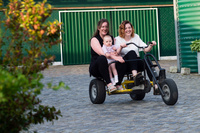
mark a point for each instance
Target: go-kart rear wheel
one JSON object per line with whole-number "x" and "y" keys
{"x": 97, "y": 91}
{"x": 170, "y": 90}
{"x": 138, "y": 96}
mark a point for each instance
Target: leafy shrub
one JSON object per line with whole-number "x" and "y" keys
{"x": 19, "y": 105}
{"x": 195, "y": 46}
{"x": 28, "y": 36}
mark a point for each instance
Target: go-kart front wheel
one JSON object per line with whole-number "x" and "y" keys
{"x": 97, "y": 91}
{"x": 170, "y": 90}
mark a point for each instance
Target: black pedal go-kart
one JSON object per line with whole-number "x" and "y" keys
{"x": 166, "y": 87}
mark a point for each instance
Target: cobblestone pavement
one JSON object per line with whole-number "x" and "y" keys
{"x": 119, "y": 113}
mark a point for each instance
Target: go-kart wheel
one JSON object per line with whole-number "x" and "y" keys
{"x": 147, "y": 86}
{"x": 138, "y": 96}
{"x": 170, "y": 90}
{"x": 97, "y": 91}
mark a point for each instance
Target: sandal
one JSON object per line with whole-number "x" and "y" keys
{"x": 111, "y": 88}
{"x": 137, "y": 78}
{"x": 119, "y": 87}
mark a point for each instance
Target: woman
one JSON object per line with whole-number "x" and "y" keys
{"x": 126, "y": 35}
{"x": 99, "y": 65}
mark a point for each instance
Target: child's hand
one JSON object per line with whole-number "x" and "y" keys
{"x": 114, "y": 53}
{"x": 114, "y": 48}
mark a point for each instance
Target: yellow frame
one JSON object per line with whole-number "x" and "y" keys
{"x": 125, "y": 91}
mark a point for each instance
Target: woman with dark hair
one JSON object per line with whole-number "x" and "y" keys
{"x": 99, "y": 65}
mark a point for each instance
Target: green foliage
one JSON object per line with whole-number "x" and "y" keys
{"x": 56, "y": 87}
{"x": 1, "y": 3}
{"x": 195, "y": 46}
{"x": 22, "y": 62}
{"x": 19, "y": 105}
{"x": 26, "y": 23}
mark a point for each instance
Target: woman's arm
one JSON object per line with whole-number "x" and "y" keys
{"x": 96, "y": 46}
{"x": 119, "y": 44}
{"x": 148, "y": 49}
{"x": 123, "y": 45}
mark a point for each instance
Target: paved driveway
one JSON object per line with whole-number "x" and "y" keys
{"x": 118, "y": 113}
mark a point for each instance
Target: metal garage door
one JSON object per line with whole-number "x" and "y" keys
{"x": 79, "y": 26}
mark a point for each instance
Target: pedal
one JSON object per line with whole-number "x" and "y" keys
{"x": 139, "y": 80}
{"x": 156, "y": 91}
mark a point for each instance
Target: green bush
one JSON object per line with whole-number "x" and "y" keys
{"x": 19, "y": 103}
{"x": 195, "y": 46}
{"x": 21, "y": 63}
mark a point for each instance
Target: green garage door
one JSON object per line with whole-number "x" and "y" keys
{"x": 79, "y": 26}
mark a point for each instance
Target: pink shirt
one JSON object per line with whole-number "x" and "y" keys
{"x": 109, "y": 50}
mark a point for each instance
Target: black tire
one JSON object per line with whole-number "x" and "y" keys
{"x": 97, "y": 91}
{"x": 138, "y": 96}
{"x": 147, "y": 86}
{"x": 170, "y": 90}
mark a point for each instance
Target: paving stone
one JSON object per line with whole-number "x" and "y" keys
{"x": 185, "y": 71}
{"x": 173, "y": 69}
{"x": 119, "y": 113}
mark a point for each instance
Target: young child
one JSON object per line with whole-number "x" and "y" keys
{"x": 111, "y": 49}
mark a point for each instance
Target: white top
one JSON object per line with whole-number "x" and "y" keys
{"x": 136, "y": 39}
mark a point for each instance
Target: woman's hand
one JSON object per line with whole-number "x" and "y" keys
{"x": 123, "y": 45}
{"x": 148, "y": 49}
{"x": 115, "y": 57}
{"x": 119, "y": 58}
{"x": 153, "y": 43}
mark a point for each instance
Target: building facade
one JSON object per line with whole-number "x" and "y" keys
{"x": 187, "y": 26}
{"x": 152, "y": 20}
